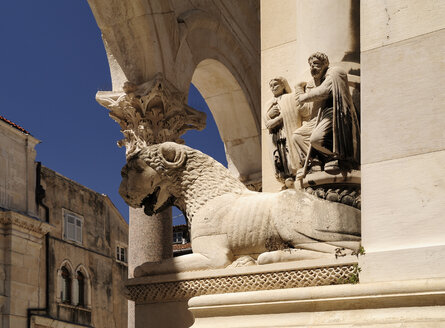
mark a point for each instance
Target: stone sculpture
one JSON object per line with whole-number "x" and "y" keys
{"x": 333, "y": 132}
{"x": 231, "y": 225}
{"x": 281, "y": 119}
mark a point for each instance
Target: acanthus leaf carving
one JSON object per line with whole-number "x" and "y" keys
{"x": 151, "y": 113}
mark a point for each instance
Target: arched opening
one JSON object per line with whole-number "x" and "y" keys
{"x": 232, "y": 135}
{"x": 81, "y": 288}
{"x": 234, "y": 118}
{"x": 66, "y": 285}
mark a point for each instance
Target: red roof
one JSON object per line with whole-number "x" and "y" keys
{"x": 18, "y": 127}
{"x": 177, "y": 247}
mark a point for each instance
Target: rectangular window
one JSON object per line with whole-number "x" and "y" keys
{"x": 121, "y": 254}
{"x": 72, "y": 227}
{"x": 177, "y": 237}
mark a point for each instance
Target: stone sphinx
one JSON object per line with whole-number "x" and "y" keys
{"x": 231, "y": 225}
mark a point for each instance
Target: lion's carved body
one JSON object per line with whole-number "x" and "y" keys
{"x": 228, "y": 221}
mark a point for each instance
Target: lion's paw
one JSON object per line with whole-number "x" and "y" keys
{"x": 242, "y": 261}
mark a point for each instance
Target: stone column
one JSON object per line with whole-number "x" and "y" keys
{"x": 150, "y": 113}
{"x": 150, "y": 237}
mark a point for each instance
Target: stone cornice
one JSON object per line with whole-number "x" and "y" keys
{"x": 25, "y": 222}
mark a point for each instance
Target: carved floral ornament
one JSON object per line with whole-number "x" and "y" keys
{"x": 150, "y": 113}
{"x": 24, "y": 222}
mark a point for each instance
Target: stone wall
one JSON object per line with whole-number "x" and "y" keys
{"x": 17, "y": 173}
{"x": 403, "y": 140}
{"x": 103, "y": 229}
{"x": 21, "y": 286}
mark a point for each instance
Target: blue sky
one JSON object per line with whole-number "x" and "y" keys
{"x": 52, "y": 64}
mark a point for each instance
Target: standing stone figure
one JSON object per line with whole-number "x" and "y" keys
{"x": 281, "y": 119}
{"x": 333, "y": 130}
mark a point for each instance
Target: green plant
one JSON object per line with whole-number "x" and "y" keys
{"x": 353, "y": 277}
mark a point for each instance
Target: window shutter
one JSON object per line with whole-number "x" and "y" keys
{"x": 69, "y": 227}
{"x": 78, "y": 230}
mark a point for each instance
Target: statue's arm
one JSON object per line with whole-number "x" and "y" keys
{"x": 321, "y": 92}
{"x": 304, "y": 109}
{"x": 273, "y": 117}
{"x": 274, "y": 122}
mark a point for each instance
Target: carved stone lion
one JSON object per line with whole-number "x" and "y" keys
{"x": 231, "y": 225}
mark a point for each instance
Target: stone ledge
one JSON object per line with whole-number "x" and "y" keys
{"x": 185, "y": 285}
{"x": 41, "y": 321}
{"x": 387, "y": 304}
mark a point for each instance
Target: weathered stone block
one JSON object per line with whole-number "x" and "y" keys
{"x": 20, "y": 274}
{"x": 278, "y": 61}
{"x": 386, "y": 22}
{"x": 403, "y": 264}
{"x": 402, "y": 205}
{"x": 404, "y": 99}
{"x": 272, "y": 33}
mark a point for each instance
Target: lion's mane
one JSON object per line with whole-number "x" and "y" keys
{"x": 198, "y": 180}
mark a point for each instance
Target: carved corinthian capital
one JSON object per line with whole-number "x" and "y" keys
{"x": 150, "y": 113}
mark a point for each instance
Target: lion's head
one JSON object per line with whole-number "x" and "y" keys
{"x": 145, "y": 179}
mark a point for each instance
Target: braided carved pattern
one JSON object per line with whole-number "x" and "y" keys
{"x": 184, "y": 290}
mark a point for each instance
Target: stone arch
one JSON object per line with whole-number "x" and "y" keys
{"x": 86, "y": 286}
{"x": 234, "y": 117}
{"x": 61, "y": 281}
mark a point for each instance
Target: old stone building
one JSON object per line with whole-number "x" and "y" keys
{"x": 63, "y": 247}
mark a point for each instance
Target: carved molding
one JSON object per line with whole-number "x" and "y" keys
{"x": 151, "y": 113}
{"x": 185, "y": 289}
{"x": 342, "y": 188}
{"x": 25, "y": 222}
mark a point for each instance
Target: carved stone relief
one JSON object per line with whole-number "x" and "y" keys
{"x": 315, "y": 132}
{"x": 329, "y": 137}
{"x": 183, "y": 290}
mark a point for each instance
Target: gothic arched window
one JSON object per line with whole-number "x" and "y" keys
{"x": 66, "y": 285}
{"x": 80, "y": 289}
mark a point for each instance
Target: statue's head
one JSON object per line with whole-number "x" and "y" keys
{"x": 279, "y": 86}
{"x": 145, "y": 181}
{"x": 319, "y": 64}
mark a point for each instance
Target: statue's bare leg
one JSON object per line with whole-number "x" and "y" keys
{"x": 209, "y": 252}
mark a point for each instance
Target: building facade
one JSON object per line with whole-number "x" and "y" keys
{"x": 63, "y": 246}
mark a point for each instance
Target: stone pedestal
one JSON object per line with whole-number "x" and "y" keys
{"x": 340, "y": 188}
{"x": 410, "y": 303}
{"x": 157, "y": 297}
